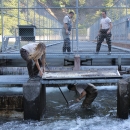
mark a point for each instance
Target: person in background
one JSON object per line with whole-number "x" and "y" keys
{"x": 104, "y": 32}
{"x": 34, "y": 53}
{"x": 66, "y": 31}
{"x": 88, "y": 91}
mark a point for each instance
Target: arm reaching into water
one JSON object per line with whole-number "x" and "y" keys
{"x": 38, "y": 66}
{"x": 43, "y": 62}
{"x": 81, "y": 96}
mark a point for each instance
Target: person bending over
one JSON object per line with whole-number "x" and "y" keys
{"x": 34, "y": 53}
{"x": 88, "y": 91}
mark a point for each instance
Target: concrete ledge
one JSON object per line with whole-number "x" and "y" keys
{"x": 34, "y": 100}
{"x": 70, "y": 56}
{"x": 123, "y": 99}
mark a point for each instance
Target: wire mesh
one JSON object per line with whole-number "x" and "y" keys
{"x": 47, "y": 17}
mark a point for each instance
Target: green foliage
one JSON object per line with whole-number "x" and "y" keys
{"x": 82, "y": 2}
{"x": 11, "y": 20}
{"x": 61, "y": 2}
{"x": 56, "y": 2}
{"x": 43, "y": 1}
{"x": 108, "y": 3}
{"x": 26, "y": 17}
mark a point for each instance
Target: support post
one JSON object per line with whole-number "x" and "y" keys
{"x": 122, "y": 99}
{"x": 128, "y": 89}
{"x": 76, "y": 63}
{"x": 77, "y": 21}
{"x": 34, "y": 100}
{"x": 2, "y": 25}
{"x": 119, "y": 63}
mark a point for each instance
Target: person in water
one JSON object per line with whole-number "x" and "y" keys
{"x": 88, "y": 91}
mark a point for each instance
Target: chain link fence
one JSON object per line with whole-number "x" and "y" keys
{"x": 25, "y": 21}
{"x": 120, "y": 16}
{"x": 29, "y": 20}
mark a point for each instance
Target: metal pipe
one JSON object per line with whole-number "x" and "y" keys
{"x": 126, "y": 7}
{"x": 77, "y": 4}
{"x": 34, "y": 12}
{"x": 2, "y": 22}
{"x": 49, "y": 29}
{"x": 83, "y": 7}
{"x": 59, "y": 87}
{"x": 18, "y": 12}
{"x": 52, "y": 28}
{"x": 43, "y": 25}
{"x": 39, "y": 25}
{"x": 63, "y": 95}
{"x": 72, "y": 41}
{"x": 27, "y": 12}
{"x": 126, "y": 27}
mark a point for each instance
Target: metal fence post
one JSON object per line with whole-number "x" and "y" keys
{"x": 39, "y": 24}
{"x": 34, "y": 11}
{"x": 2, "y": 23}
{"x": 43, "y": 27}
{"x": 49, "y": 29}
{"x": 77, "y": 40}
{"x": 126, "y": 25}
{"x": 18, "y": 12}
{"x": 27, "y": 11}
{"x": 72, "y": 41}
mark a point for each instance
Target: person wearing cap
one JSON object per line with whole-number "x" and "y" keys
{"x": 88, "y": 91}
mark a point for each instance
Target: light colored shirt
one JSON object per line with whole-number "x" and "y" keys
{"x": 81, "y": 87}
{"x": 66, "y": 19}
{"x": 105, "y": 22}
{"x": 30, "y": 47}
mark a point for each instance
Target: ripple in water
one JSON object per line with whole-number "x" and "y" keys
{"x": 100, "y": 116}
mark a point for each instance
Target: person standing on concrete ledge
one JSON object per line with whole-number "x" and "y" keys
{"x": 88, "y": 91}
{"x": 34, "y": 52}
{"x": 66, "y": 31}
{"x": 104, "y": 32}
